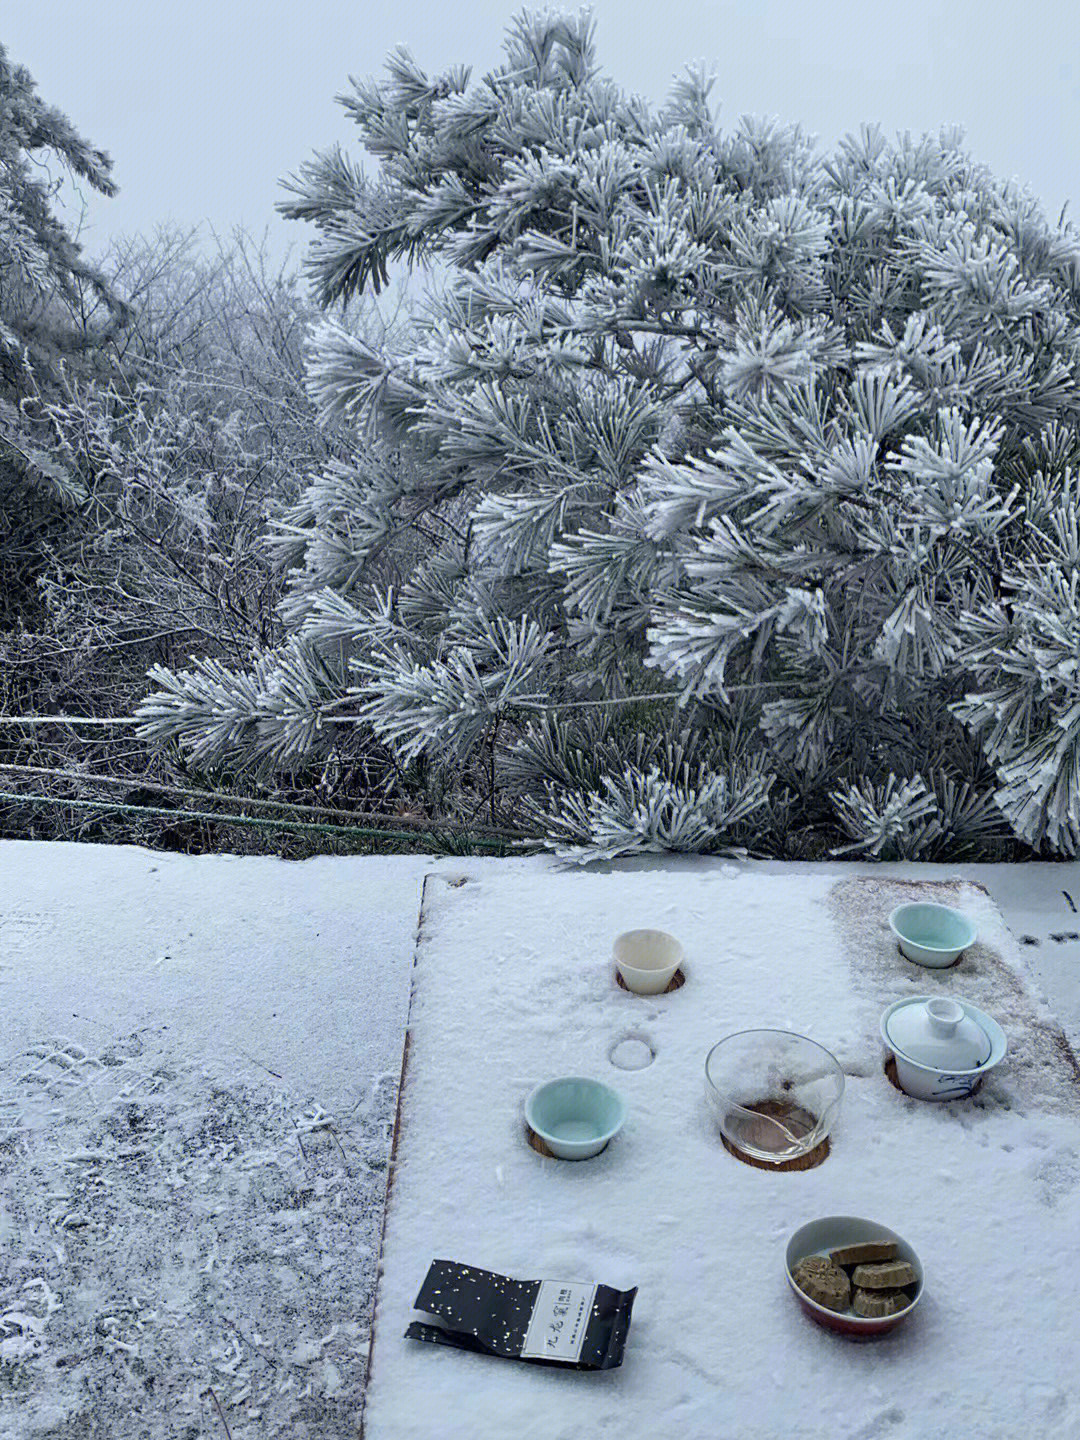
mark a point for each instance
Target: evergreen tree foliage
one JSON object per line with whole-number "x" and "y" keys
{"x": 190, "y": 430}
{"x": 45, "y": 289}
{"x": 733, "y": 485}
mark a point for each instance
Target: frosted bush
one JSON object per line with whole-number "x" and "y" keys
{"x": 706, "y": 438}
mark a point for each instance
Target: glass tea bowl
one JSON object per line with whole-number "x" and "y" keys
{"x": 775, "y": 1094}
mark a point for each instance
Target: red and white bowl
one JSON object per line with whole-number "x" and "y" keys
{"x": 829, "y": 1233}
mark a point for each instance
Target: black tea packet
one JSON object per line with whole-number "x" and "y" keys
{"x": 547, "y": 1322}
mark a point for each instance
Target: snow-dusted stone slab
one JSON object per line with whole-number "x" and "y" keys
{"x": 513, "y": 984}
{"x": 1041, "y": 902}
{"x": 198, "y": 1058}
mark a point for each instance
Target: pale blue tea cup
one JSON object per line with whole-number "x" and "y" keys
{"x": 575, "y": 1117}
{"x": 931, "y": 935}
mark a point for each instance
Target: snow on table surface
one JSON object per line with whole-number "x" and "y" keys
{"x": 513, "y": 985}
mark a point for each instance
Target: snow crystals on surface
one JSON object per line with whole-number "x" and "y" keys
{"x": 198, "y": 1066}
{"x": 514, "y": 985}
{"x": 192, "y": 1170}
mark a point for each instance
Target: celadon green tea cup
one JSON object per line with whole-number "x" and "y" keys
{"x": 932, "y": 935}
{"x": 575, "y": 1117}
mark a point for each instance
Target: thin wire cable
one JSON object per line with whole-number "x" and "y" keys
{"x": 256, "y": 822}
{"x": 324, "y": 718}
{"x": 68, "y": 720}
{"x": 83, "y": 776}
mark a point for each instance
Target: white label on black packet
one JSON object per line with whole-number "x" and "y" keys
{"x": 560, "y": 1316}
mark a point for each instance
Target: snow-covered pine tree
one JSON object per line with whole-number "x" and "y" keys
{"x": 45, "y": 286}
{"x": 737, "y": 484}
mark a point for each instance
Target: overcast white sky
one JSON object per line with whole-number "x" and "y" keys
{"x": 205, "y": 104}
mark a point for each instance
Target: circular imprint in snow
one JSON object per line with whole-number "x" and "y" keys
{"x": 678, "y": 980}
{"x": 632, "y": 1052}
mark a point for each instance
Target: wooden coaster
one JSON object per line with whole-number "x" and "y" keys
{"x": 784, "y": 1111}
{"x": 542, "y": 1149}
{"x": 678, "y": 980}
{"x": 951, "y": 965}
{"x": 536, "y": 1143}
{"x": 890, "y": 1072}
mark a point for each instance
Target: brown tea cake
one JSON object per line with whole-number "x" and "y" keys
{"x": 814, "y": 1265}
{"x": 874, "y": 1304}
{"x": 887, "y": 1276}
{"x": 819, "y": 1279}
{"x": 869, "y": 1252}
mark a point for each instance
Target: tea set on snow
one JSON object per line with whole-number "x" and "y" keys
{"x": 775, "y": 1095}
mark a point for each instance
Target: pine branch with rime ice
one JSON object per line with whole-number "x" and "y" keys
{"x": 785, "y": 438}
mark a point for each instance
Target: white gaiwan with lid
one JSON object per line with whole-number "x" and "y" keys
{"x": 942, "y": 1047}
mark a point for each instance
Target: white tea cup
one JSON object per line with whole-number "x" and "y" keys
{"x": 647, "y": 960}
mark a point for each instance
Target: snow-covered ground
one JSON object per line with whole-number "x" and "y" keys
{"x": 198, "y": 1064}
{"x": 198, "y": 1059}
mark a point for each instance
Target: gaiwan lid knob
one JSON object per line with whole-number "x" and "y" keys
{"x": 939, "y": 1033}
